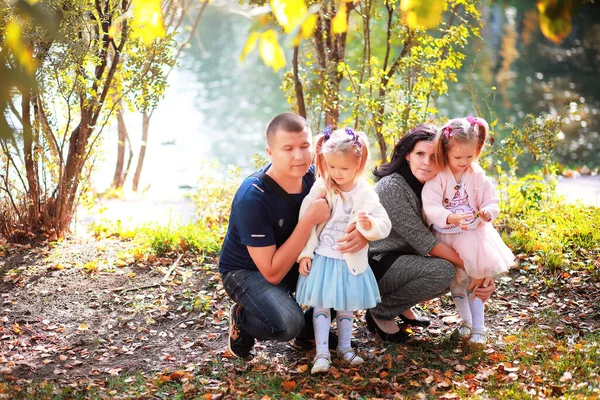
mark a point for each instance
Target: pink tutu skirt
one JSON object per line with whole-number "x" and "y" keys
{"x": 481, "y": 249}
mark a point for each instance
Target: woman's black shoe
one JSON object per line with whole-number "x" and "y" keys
{"x": 418, "y": 321}
{"x": 399, "y": 337}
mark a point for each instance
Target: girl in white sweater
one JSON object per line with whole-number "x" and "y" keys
{"x": 330, "y": 279}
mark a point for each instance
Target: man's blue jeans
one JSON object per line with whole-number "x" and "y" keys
{"x": 269, "y": 312}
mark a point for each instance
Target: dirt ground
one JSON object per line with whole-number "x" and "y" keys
{"x": 76, "y": 309}
{"x": 61, "y": 319}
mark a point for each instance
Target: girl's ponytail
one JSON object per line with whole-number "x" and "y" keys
{"x": 319, "y": 159}
{"x": 364, "y": 151}
{"x": 481, "y": 129}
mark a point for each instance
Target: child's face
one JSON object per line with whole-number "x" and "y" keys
{"x": 422, "y": 161}
{"x": 342, "y": 168}
{"x": 461, "y": 155}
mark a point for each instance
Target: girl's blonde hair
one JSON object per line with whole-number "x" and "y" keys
{"x": 460, "y": 130}
{"x": 344, "y": 141}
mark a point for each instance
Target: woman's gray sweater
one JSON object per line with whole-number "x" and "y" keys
{"x": 409, "y": 233}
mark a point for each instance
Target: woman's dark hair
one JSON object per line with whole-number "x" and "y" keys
{"x": 403, "y": 147}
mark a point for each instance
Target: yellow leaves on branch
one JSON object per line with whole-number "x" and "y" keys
{"x": 250, "y": 44}
{"x": 294, "y": 14}
{"x": 23, "y": 54}
{"x": 270, "y": 50}
{"x": 339, "y": 23}
{"x": 288, "y": 13}
{"x": 555, "y": 19}
{"x": 296, "y": 19}
{"x": 423, "y": 13}
{"x": 147, "y": 22}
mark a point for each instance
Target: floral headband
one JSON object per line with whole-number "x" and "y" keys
{"x": 349, "y": 131}
{"x": 449, "y": 132}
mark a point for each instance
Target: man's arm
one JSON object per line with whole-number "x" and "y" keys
{"x": 274, "y": 263}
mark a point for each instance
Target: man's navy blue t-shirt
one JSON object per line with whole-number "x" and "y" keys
{"x": 259, "y": 218}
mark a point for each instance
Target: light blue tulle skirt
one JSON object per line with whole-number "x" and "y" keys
{"x": 331, "y": 285}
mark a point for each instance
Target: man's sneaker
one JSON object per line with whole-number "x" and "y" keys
{"x": 240, "y": 344}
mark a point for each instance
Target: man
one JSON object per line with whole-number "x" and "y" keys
{"x": 265, "y": 237}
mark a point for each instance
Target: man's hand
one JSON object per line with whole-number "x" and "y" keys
{"x": 305, "y": 265}
{"x": 482, "y": 288}
{"x": 318, "y": 211}
{"x": 353, "y": 241}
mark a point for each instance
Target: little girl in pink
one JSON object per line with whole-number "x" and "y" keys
{"x": 460, "y": 204}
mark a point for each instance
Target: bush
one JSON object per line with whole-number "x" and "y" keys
{"x": 214, "y": 196}
{"x": 555, "y": 234}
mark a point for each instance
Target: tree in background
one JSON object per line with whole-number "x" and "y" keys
{"x": 374, "y": 64}
{"x": 66, "y": 78}
{"x": 176, "y": 16}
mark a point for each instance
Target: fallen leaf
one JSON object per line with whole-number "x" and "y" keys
{"x": 567, "y": 376}
{"x": 302, "y": 368}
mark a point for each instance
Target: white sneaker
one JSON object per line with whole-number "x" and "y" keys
{"x": 349, "y": 355}
{"x": 478, "y": 337}
{"x": 321, "y": 363}
{"x": 464, "y": 330}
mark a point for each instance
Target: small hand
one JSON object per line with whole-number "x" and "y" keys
{"x": 485, "y": 215}
{"x": 353, "y": 241}
{"x": 459, "y": 220}
{"x": 305, "y": 265}
{"x": 364, "y": 221}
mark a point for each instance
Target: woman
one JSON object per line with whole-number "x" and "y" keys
{"x": 410, "y": 265}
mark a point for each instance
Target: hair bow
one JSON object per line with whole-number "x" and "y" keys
{"x": 350, "y": 132}
{"x": 474, "y": 121}
{"x": 449, "y": 132}
{"x": 327, "y": 132}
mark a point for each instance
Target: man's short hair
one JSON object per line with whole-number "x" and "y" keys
{"x": 288, "y": 122}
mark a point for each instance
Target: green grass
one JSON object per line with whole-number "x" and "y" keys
{"x": 554, "y": 234}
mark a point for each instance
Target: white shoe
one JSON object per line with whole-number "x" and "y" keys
{"x": 464, "y": 330}
{"x": 478, "y": 337}
{"x": 321, "y": 363}
{"x": 349, "y": 355}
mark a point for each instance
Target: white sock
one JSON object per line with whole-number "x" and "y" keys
{"x": 477, "y": 313}
{"x": 321, "y": 324}
{"x": 459, "y": 295}
{"x": 344, "y": 321}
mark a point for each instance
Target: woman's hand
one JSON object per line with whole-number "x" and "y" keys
{"x": 364, "y": 221}
{"x": 482, "y": 289}
{"x": 352, "y": 241}
{"x": 305, "y": 265}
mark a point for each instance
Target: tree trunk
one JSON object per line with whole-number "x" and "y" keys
{"x": 140, "y": 163}
{"x": 33, "y": 192}
{"x": 119, "y": 177}
{"x": 298, "y": 85}
{"x": 330, "y": 51}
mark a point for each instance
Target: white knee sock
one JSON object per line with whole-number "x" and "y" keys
{"x": 477, "y": 312}
{"x": 321, "y": 324}
{"x": 459, "y": 295}
{"x": 344, "y": 321}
